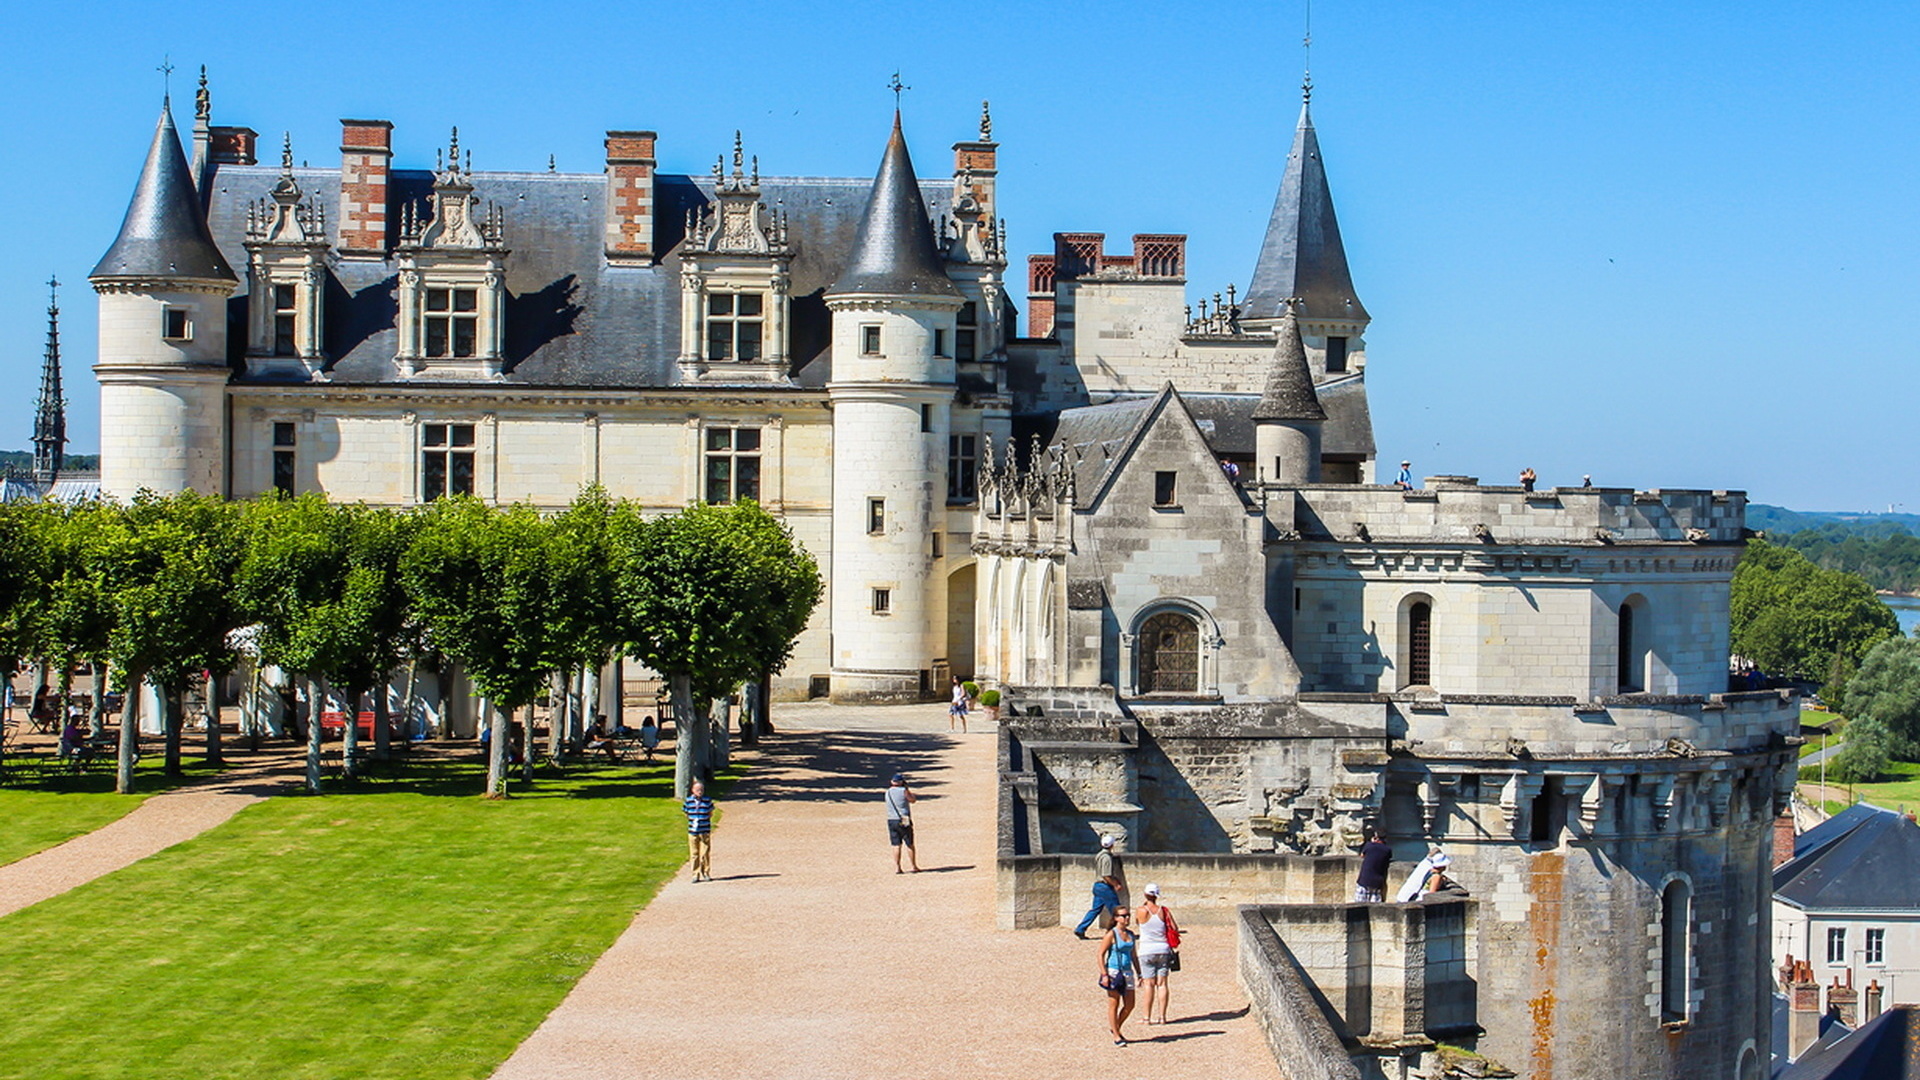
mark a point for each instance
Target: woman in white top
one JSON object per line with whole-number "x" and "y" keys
{"x": 1154, "y": 923}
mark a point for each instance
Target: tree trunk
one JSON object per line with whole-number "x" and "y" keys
{"x": 315, "y": 705}
{"x": 213, "y": 720}
{"x": 689, "y": 739}
{"x": 720, "y": 741}
{"x": 171, "y": 724}
{"x": 66, "y": 693}
{"x": 350, "y": 735}
{"x": 407, "y": 703}
{"x": 499, "y": 721}
{"x": 560, "y": 719}
{"x": 252, "y": 718}
{"x": 764, "y": 685}
{"x": 382, "y": 721}
{"x": 129, "y": 733}
{"x": 97, "y": 718}
{"x": 589, "y": 703}
{"x": 749, "y": 714}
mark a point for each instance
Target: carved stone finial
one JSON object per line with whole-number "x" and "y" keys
{"x": 453, "y": 150}
{"x": 738, "y": 159}
{"x": 286, "y": 153}
{"x": 756, "y": 168}
{"x": 986, "y": 123}
{"x": 551, "y": 163}
{"x": 202, "y": 100}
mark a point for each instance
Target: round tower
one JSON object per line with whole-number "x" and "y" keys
{"x": 1288, "y": 420}
{"x": 892, "y": 390}
{"x": 163, "y": 372}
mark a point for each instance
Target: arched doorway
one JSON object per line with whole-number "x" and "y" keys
{"x": 960, "y": 613}
{"x": 1168, "y": 655}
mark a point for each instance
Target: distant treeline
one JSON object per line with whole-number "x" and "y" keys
{"x": 23, "y": 459}
{"x": 1882, "y": 552}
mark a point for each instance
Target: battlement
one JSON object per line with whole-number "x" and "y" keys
{"x": 1455, "y": 509}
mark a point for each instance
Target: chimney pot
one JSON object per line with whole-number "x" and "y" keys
{"x": 366, "y": 161}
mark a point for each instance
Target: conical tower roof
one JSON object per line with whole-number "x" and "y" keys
{"x": 894, "y": 253}
{"x": 1301, "y": 255}
{"x": 1289, "y": 393}
{"x": 165, "y": 233}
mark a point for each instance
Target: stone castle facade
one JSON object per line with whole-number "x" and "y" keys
{"x": 1154, "y": 523}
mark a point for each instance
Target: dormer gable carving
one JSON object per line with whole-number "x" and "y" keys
{"x": 452, "y": 294}
{"x": 734, "y": 282}
{"x": 286, "y": 242}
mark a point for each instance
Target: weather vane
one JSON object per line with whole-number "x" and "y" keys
{"x": 1306, "y": 53}
{"x": 897, "y": 86}
{"x": 166, "y": 72}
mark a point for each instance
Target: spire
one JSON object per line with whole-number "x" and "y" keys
{"x": 1289, "y": 393}
{"x": 50, "y": 419}
{"x": 165, "y": 233}
{"x": 893, "y": 253}
{"x": 1301, "y": 255}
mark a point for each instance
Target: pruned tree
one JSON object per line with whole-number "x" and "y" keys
{"x": 1794, "y": 618}
{"x": 584, "y": 623}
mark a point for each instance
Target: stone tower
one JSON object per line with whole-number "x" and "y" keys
{"x": 894, "y": 314}
{"x": 163, "y": 372}
{"x": 50, "y": 416}
{"x": 1288, "y": 420}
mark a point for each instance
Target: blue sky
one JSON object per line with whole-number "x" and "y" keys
{"x": 1671, "y": 245}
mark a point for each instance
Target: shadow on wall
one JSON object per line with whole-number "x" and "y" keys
{"x": 536, "y": 318}
{"x": 355, "y": 317}
{"x": 1175, "y": 817}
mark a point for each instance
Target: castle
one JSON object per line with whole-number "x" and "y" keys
{"x": 1157, "y": 527}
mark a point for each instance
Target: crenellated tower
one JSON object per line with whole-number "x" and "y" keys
{"x": 163, "y": 289}
{"x": 892, "y": 392}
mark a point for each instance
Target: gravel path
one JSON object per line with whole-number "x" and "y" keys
{"x": 807, "y": 956}
{"x": 155, "y": 825}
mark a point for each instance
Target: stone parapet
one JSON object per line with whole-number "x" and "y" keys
{"x": 1291, "y": 1013}
{"x": 1457, "y": 509}
{"x": 1038, "y": 891}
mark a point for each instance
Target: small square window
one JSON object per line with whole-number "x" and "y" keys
{"x": 176, "y": 326}
{"x": 870, "y": 341}
{"x": 283, "y": 433}
{"x": 1336, "y": 355}
{"x": 882, "y": 601}
{"x": 1165, "y": 489}
{"x": 876, "y": 517}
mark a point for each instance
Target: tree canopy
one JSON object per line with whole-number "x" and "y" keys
{"x": 1887, "y": 690}
{"x": 1794, "y": 619}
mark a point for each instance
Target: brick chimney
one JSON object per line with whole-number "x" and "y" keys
{"x": 366, "y": 157}
{"x": 1844, "y": 1001}
{"x": 1160, "y": 255}
{"x": 1803, "y": 1018}
{"x": 1874, "y": 994}
{"x": 981, "y": 161}
{"x": 232, "y": 145}
{"x": 630, "y": 163}
{"x": 1783, "y": 837}
{"x": 1040, "y": 296}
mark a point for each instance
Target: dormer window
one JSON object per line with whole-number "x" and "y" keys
{"x": 734, "y": 322}
{"x": 452, "y": 323}
{"x": 285, "y": 307}
{"x": 286, "y": 271}
{"x": 964, "y": 335}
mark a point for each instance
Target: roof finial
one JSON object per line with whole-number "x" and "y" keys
{"x": 1306, "y": 53}
{"x": 551, "y": 164}
{"x": 166, "y": 74}
{"x": 739, "y": 158}
{"x": 986, "y": 123}
{"x": 202, "y": 100}
{"x": 453, "y": 150}
{"x": 894, "y": 84}
{"x": 286, "y": 152}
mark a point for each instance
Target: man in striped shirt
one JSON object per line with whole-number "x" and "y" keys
{"x": 699, "y": 810}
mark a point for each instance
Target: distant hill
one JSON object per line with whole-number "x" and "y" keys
{"x": 23, "y": 459}
{"x": 1779, "y": 519}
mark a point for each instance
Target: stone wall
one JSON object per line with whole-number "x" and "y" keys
{"x": 1296, "y": 1018}
{"x": 1037, "y": 891}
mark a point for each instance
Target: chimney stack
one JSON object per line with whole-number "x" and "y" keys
{"x": 980, "y": 161}
{"x": 1803, "y": 1019}
{"x": 1844, "y": 1001}
{"x": 1874, "y": 994}
{"x": 1783, "y": 837}
{"x": 1040, "y": 296}
{"x": 630, "y": 162}
{"x": 366, "y": 158}
{"x": 232, "y": 145}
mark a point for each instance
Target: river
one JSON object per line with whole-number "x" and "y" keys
{"x": 1907, "y": 610}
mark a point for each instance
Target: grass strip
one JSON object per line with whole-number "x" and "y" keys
{"x": 46, "y": 811}
{"x": 406, "y": 929}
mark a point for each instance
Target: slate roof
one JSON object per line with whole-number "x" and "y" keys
{"x": 1831, "y": 1030}
{"x": 894, "y": 253}
{"x": 571, "y": 319}
{"x": 1301, "y": 255}
{"x": 1874, "y": 865}
{"x": 164, "y": 234}
{"x": 1289, "y": 394}
{"x": 1884, "y": 1048}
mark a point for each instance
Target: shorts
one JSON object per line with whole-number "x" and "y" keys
{"x": 1364, "y": 895}
{"x": 898, "y": 834}
{"x": 1153, "y": 965}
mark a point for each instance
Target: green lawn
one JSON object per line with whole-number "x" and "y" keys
{"x": 41, "y": 812}
{"x": 1902, "y": 792}
{"x": 406, "y": 930}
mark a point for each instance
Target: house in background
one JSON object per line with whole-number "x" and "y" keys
{"x": 1848, "y": 902}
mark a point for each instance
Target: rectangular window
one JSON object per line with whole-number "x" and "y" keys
{"x": 939, "y": 342}
{"x": 1876, "y": 946}
{"x": 1836, "y": 944}
{"x": 926, "y": 418}
{"x": 175, "y": 326}
{"x": 869, "y": 341}
{"x": 733, "y": 464}
{"x": 446, "y": 460}
{"x": 735, "y": 326}
{"x": 453, "y": 323}
{"x": 882, "y": 601}
{"x": 939, "y": 546}
{"x": 1336, "y": 355}
{"x": 284, "y": 308}
{"x": 876, "y": 516}
{"x": 1165, "y": 493}
{"x": 283, "y": 460}
{"x": 963, "y": 337}
{"x": 963, "y": 463}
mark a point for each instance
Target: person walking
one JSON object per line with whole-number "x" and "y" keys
{"x": 957, "y": 710}
{"x": 1159, "y": 937}
{"x": 1375, "y": 855}
{"x": 699, "y": 810}
{"x": 900, "y": 822}
{"x": 1119, "y": 971}
{"x": 1106, "y": 890}
{"x": 1405, "y": 480}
